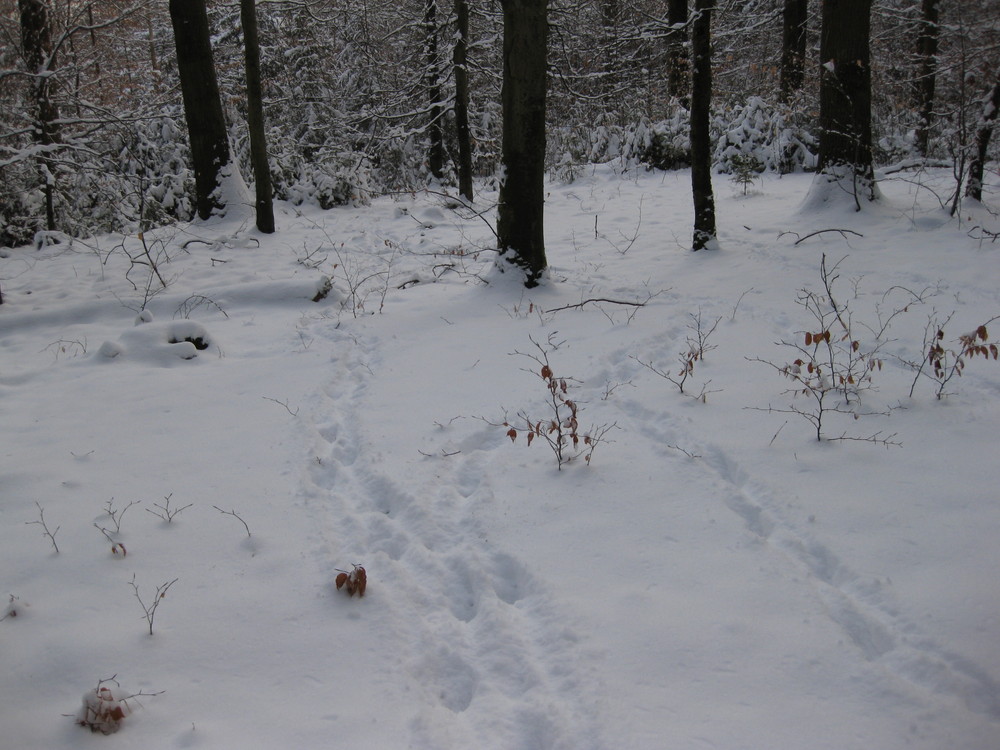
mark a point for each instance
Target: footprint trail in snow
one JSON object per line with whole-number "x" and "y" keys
{"x": 488, "y": 660}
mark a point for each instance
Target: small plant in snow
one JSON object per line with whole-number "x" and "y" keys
{"x": 116, "y": 515}
{"x": 697, "y": 346}
{"x": 165, "y": 511}
{"x": 746, "y": 170}
{"x": 832, "y": 368}
{"x": 106, "y": 706}
{"x": 942, "y": 363}
{"x": 45, "y": 529}
{"x": 355, "y": 582}
{"x": 117, "y": 548}
{"x": 14, "y": 608}
{"x": 150, "y": 609}
{"x": 561, "y": 429}
{"x": 234, "y": 515}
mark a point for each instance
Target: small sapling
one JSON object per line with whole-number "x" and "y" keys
{"x": 696, "y": 347}
{"x": 561, "y": 428}
{"x": 149, "y": 610}
{"x": 165, "y": 511}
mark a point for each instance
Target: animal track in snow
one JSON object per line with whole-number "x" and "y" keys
{"x": 864, "y": 614}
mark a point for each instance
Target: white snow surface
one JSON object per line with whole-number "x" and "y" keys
{"x": 715, "y": 577}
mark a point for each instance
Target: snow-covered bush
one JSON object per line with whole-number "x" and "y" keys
{"x": 777, "y": 137}
{"x": 337, "y": 180}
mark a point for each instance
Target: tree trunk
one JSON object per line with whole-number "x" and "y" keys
{"x": 202, "y": 106}
{"x": 463, "y": 135}
{"x": 432, "y": 77}
{"x": 701, "y": 141}
{"x": 991, "y": 104}
{"x": 793, "y": 46}
{"x": 611, "y": 59}
{"x": 845, "y": 139}
{"x": 520, "y": 235}
{"x": 677, "y": 55}
{"x": 926, "y": 53}
{"x": 255, "y": 119}
{"x": 36, "y": 49}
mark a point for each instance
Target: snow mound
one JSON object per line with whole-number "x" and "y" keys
{"x": 160, "y": 344}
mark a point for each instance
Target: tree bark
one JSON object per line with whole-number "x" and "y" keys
{"x": 36, "y": 49}
{"x": 202, "y": 106}
{"x": 520, "y": 235}
{"x": 991, "y": 104}
{"x": 926, "y": 53}
{"x": 701, "y": 141}
{"x": 255, "y": 119}
{"x": 795, "y": 16}
{"x": 432, "y": 78}
{"x": 845, "y": 140}
{"x": 463, "y": 134}
{"x": 677, "y": 54}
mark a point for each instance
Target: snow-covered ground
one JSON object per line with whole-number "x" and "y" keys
{"x": 715, "y": 577}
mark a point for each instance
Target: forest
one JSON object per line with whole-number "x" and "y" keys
{"x": 345, "y": 101}
{"x": 361, "y": 387}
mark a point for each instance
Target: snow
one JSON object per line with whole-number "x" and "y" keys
{"x": 714, "y": 577}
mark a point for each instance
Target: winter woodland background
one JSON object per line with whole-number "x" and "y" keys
{"x": 358, "y": 97}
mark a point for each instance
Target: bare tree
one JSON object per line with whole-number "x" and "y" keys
{"x": 202, "y": 105}
{"x": 40, "y": 59}
{"x": 520, "y": 236}
{"x": 432, "y": 82}
{"x": 701, "y": 139}
{"x": 460, "y": 59}
{"x": 991, "y": 103}
{"x": 255, "y": 119}
{"x": 677, "y": 52}
{"x": 795, "y": 16}
{"x": 845, "y": 141}
{"x": 928, "y": 31}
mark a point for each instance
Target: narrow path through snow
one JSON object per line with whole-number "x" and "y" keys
{"x": 488, "y": 659}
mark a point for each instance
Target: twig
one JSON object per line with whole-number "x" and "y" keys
{"x": 45, "y": 529}
{"x": 233, "y": 514}
{"x": 687, "y": 453}
{"x": 443, "y": 453}
{"x": 116, "y": 515}
{"x": 282, "y": 403}
{"x": 595, "y": 299}
{"x": 117, "y": 548}
{"x": 822, "y": 231}
{"x": 737, "y": 305}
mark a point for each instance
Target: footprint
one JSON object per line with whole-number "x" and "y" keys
{"x": 454, "y": 679}
{"x": 510, "y": 578}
